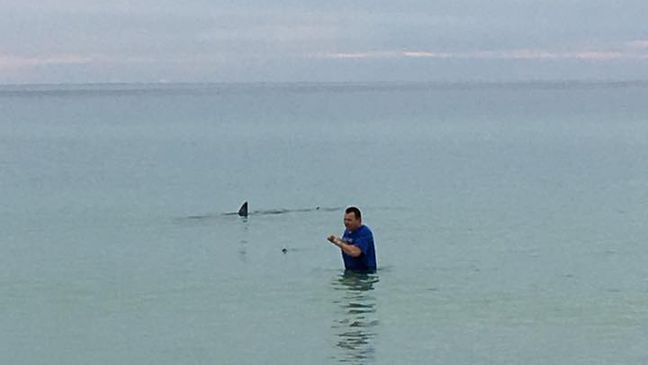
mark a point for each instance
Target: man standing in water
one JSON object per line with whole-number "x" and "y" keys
{"x": 357, "y": 244}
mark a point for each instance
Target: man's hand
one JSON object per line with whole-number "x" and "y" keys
{"x": 333, "y": 239}
{"x": 349, "y": 249}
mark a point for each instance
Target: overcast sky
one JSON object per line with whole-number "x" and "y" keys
{"x": 79, "y": 41}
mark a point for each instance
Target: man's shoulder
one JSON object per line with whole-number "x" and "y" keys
{"x": 364, "y": 230}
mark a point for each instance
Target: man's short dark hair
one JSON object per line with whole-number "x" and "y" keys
{"x": 355, "y": 212}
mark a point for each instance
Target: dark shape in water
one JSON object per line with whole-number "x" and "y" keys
{"x": 284, "y": 250}
{"x": 243, "y": 212}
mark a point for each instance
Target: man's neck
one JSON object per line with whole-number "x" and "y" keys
{"x": 357, "y": 228}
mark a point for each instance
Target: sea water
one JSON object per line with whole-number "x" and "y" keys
{"x": 509, "y": 219}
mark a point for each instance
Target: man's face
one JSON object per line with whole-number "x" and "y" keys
{"x": 351, "y": 222}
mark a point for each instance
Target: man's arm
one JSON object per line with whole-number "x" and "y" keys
{"x": 348, "y": 249}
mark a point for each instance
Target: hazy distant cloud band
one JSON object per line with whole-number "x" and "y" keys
{"x": 631, "y": 50}
{"x": 523, "y": 54}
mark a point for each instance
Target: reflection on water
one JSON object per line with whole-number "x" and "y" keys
{"x": 243, "y": 242}
{"x": 355, "y": 326}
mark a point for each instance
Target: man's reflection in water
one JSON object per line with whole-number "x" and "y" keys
{"x": 356, "y": 325}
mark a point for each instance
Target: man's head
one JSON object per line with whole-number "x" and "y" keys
{"x": 352, "y": 218}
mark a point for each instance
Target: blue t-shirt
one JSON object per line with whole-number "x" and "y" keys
{"x": 363, "y": 239}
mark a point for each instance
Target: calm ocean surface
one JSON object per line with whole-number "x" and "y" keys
{"x": 510, "y": 223}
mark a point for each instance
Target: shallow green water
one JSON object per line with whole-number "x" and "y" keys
{"x": 509, "y": 221}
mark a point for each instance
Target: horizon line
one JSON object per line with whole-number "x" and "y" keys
{"x": 333, "y": 82}
{"x": 312, "y": 85}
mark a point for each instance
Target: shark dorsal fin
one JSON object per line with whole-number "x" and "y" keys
{"x": 243, "y": 211}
